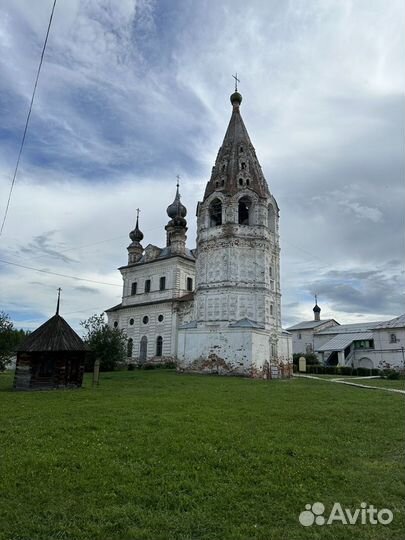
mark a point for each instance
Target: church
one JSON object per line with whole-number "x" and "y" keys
{"x": 216, "y": 308}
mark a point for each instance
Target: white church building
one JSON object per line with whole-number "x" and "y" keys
{"x": 215, "y": 308}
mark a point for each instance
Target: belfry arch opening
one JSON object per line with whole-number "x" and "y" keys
{"x": 244, "y": 209}
{"x": 215, "y": 213}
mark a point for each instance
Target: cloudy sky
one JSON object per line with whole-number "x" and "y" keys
{"x": 134, "y": 92}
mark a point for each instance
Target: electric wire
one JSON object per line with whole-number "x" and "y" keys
{"x": 78, "y": 278}
{"x": 27, "y": 121}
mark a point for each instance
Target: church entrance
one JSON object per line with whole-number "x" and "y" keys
{"x": 143, "y": 349}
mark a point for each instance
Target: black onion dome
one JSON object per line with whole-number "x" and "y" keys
{"x": 317, "y": 309}
{"x": 236, "y": 97}
{"x": 136, "y": 235}
{"x": 176, "y": 209}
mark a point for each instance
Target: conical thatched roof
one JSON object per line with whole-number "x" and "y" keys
{"x": 54, "y": 335}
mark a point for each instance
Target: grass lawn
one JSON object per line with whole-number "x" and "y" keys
{"x": 385, "y": 383}
{"x": 154, "y": 455}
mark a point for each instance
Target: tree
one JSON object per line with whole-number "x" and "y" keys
{"x": 10, "y": 338}
{"x": 106, "y": 343}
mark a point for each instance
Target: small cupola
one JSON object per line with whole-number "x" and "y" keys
{"x": 135, "y": 249}
{"x": 177, "y": 227}
{"x": 177, "y": 209}
{"x": 317, "y": 310}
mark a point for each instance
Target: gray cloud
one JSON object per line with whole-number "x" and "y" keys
{"x": 132, "y": 93}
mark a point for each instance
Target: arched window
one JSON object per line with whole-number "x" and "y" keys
{"x": 215, "y": 213}
{"x": 272, "y": 218}
{"x": 147, "y": 285}
{"x": 189, "y": 284}
{"x": 244, "y": 206}
{"x": 162, "y": 283}
{"x": 130, "y": 345}
{"x": 133, "y": 288}
{"x": 159, "y": 346}
{"x": 241, "y": 181}
{"x": 143, "y": 350}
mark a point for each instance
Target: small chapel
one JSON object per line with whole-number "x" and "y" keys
{"x": 216, "y": 308}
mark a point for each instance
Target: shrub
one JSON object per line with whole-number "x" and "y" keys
{"x": 331, "y": 370}
{"x": 131, "y": 367}
{"x": 311, "y": 358}
{"x": 345, "y": 370}
{"x": 363, "y": 372}
{"x": 393, "y": 375}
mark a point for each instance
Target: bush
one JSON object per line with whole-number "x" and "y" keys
{"x": 393, "y": 375}
{"x": 362, "y": 372}
{"x": 331, "y": 370}
{"x": 318, "y": 370}
{"x": 345, "y": 370}
{"x": 311, "y": 358}
{"x": 131, "y": 367}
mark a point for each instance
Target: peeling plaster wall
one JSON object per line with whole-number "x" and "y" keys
{"x": 231, "y": 351}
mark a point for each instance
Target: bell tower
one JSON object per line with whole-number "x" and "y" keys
{"x": 237, "y": 296}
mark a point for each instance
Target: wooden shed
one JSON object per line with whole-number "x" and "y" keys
{"x": 51, "y": 357}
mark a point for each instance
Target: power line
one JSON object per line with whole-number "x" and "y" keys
{"x": 27, "y": 121}
{"x": 60, "y": 275}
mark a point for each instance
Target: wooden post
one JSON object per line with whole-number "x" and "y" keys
{"x": 96, "y": 372}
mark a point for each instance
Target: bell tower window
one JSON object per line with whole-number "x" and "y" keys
{"x": 244, "y": 210}
{"x": 216, "y": 213}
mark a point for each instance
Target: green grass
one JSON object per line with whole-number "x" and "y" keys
{"x": 153, "y": 455}
{"x": 384, "y": 383}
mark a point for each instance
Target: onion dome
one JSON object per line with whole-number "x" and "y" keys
{"x": 136, "y": 235}
{"x": 176, "y": 209}
{"x": 317, "y": 309}
{"x": 236, "y": 98}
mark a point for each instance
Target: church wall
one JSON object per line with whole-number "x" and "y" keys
{"x": 175, "y": 269}
{"x": 233, "y": 351}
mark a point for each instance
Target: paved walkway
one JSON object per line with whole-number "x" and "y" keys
{"x": 342, "y": 381}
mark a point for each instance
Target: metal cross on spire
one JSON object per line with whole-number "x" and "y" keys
{"x": 58, "y": 302}
{"x": 316, "y": 299}
{"x": 178, "y": 180}
{"x": 236, "y": 81}
{"x": 137, "y": 213}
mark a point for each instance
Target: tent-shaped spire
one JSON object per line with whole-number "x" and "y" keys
{"x": 237, "y": 166}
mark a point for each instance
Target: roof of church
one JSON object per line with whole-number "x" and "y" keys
{"x": 185, "y": 298}
{"x": 54, "y": 335}
{"x": 341, "y": 341}
{"x": 159, "y": 254}
{"x": 307, "y": 325}
{"x": 349, "y": 328}
{"x": 236, "y": 149}
{"x": 246, "y": 323}
{"x": 398, "y": 322}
